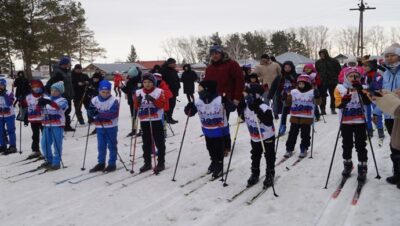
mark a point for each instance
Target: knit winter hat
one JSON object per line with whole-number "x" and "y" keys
{"x": 209, "y": 85}
{"x": 216, "y": 49}
{"x": 64, "y": 61}
{"x": 304, "y": 78}
{"x": 78, "y": 66}
{"x": 3, "y": 82}
{"x": 104, "y": 85}
{"x": 352, "y": 59}
{"x": 37, "y": 83}
{"x": 393, "y": 49}
{"x": 150, "y": 77}
{"x": 158, "y": 76}
{"x": 171, "y": 61}
{"x": 310, "y": 66}
{"x": 59, "y": 86}
{"x": 347, "y": 72}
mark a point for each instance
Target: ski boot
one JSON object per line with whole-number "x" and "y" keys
{"x": 81, "y": 121}
{"x": 12, "y": 149}
{"x": 288, "y": 154}
{"x": 217, "y": 170}
{"x": 348, "y": 167}
{"x": 395, "y": 179}
{"x": 53, "y": 168}
{"x": 3, "y": 149}
{"x": 160, "y": 167}
{"x": 93, "y": 132}
{"x": 269, "y": 178}
{"x": 110, "y": 168}
{"x": 226, "y": 152}
{"x": 145, "y": 167}
{"x": 97, "y": 168}
{"x": 333, "y": 111}
{"x": 255, "y": 174}
{"x": 282, "y": 130}
{"x": 323, "y": 112}
{"x": 362, "y": 171}
{"x": 69, "y": 129}
{"x": 210, "y": 169}
{"x": 34, "y": 155}
{"x": 45, "y": 165}
{"x": 303, "y": 152}
{"x": 132, "y": 133}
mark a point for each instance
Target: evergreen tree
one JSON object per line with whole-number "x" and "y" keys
{"x": 132, "y": 57}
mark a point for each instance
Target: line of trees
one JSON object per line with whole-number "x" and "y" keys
{"x": 40, "y": 31}
{"x": 303, "y": 40}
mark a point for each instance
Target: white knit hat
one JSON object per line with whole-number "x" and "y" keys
{"x": 393, "y": 49}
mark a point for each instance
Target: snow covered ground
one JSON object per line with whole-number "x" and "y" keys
{"x": 120, "y": 198}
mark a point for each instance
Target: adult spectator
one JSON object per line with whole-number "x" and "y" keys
{"x": 170, "y": 76}
{"x": 80, "y": 82}
{"x": 328, "y": 68}
{"x": 22, "y": 86}
{"x": 230, "y": 81}
{"x": 188, "y": 79}
{"x": 62, "y": 72}
{"x": 267, "y": 71}
{"x": 391, "y": 77}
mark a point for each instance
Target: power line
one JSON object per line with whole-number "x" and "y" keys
{"x": 360, "y": 41}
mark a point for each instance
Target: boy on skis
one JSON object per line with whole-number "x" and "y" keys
{"x": 104, "y": 111}
{"x": 7, "y": 119}
{"x": 34, "y": 115}
{"x": 211, "y": 108}
{"x": 149, "y": 103}
{"x": 53, "y": 108}
{"x": 352, "y": 117}
{"x": 302, "y": 102}
{"x": 258, "y": 115}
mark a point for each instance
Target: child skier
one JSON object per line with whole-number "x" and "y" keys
{"x": 34, "y": 115}
{"x": 258, "y": 114}
{"x": 310, "y": 70}
{"x": 211, "y": 108}
{"x": 149, "y": 103}
{"x": 302, "y": 102}
{"x": 104, "y": 111}
{"x": 7, "y": 119}
{"x": 353, "y": 126}
{"x": 53, "y": 109}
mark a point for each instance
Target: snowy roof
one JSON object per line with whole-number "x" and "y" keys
{"x": 295, "y": 58}
{"x": 198, "y": 65}
{"x": 109, "y": 68}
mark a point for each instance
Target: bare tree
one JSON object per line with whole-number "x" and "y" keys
{"x": 171, "y": 49}
{"x": 377, "y": 40}
{"x": 347, "y": 40}
{"x": 394, "y": 34}
{"x": 235, "y": 46}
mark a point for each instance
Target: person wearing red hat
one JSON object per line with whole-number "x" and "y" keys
{"x": 302, "y": 102}
{"x": 34, "y": 115}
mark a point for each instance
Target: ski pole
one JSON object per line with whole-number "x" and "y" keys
{"x": 232, "y": 149}
{"x": 264, "y": 150}
{"x": 334, "y": 149}
{"x": 180, "y": 148}
{"x": 369, "y": 138}
{"x": 134, "y": 146}
{"x": 54, "y": 137}
{"x": 133, "y": 120}
{"x": 152, "y": 138}
{"x": 114, "y": 144}
{"x": 84, "y": 156}
{"x": 170, "y": 128}
{"x": 20, "y": 137}
{"x": 313, "y": 130}
{"x": 277, "y": 140}
{"x": 79, "y": 107}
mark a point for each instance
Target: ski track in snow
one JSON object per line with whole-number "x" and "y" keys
{"x": 156, "y": 200}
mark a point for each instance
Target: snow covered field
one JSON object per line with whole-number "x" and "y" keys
{"x": 120, "y": 198}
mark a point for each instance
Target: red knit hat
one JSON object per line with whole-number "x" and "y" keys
{"x": 37, "y": 83}
{"x": 304, "y": 78}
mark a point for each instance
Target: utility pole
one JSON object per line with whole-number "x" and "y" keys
{"x": 360, "y": 42}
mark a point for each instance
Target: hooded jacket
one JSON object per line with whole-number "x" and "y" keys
{"x": 188, "y": 79}
{"x": 170, "y": 76}
{"x": 61, "y": 74}
{"x": 328, "y": 69}
{"x": 285, "y": 82}
{"x": 229, "y": 77}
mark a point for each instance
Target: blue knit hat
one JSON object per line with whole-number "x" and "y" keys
{"x": 104, "y": 85}
{"x": 64, "y": 61}
{"x": 59, "y": 86}
{"x": 217, "y": 49}
{"x": 150, "y": 77}
{"x": 3, "y": 82}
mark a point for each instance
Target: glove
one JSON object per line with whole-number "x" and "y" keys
{"x": 255, "y": 106}
{"x": 316, "y": 93}
{"x": 357, "y": 85}
{"x": 240, "y": 108}
{"x": 346, "y": 99}
{"x": 43, "y": 102}
{"x": 190, "y": 109}
{"x": 149, "y": 98}
{"x": 249, "y": 99}
{"x": 139, "y": 99}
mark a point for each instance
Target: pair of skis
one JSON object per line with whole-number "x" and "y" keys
{"x": 357, "y": 192}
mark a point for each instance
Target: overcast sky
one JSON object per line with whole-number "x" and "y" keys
{"x": 119, "y": 23}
